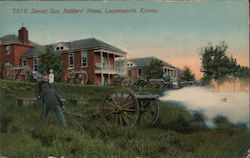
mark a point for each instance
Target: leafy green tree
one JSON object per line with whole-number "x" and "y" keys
{"x": 155, "y": 69}
{"x": 216, "y": 64}
{"x": 187, "y": 75}
{"x": 243, "y": 73}
{"x": 52, "y": 60}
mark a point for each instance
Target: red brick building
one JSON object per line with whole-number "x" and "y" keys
{"x": 135, "y": 68}
{"x": 93, "y": 56}
{"x": 12, "y": 47}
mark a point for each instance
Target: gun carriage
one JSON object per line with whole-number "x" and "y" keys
{"x": 120, "y": 107}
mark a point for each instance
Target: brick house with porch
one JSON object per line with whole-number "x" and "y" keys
{"x": 136, "y": 66}
{"x": 93, "y": 56}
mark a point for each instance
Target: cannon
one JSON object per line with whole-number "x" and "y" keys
{"x": 120, "y": 107}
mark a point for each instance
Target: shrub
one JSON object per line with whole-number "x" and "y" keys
{"x": 20, "y": 145}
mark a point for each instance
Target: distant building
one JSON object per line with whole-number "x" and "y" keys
{"x": 135, "y": 68}
{"x": 93, "y": 56}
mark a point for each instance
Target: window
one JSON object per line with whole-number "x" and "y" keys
{"x": 35, "y": 63}
{"x": 61, "y": 47}
{"x": 57, "y": 48}
{"x": 7, "y": 63}
{"x": 8, "y": 49}
{"x": 129, "y": 73}
{"x": 71, "y": 60}
{"x": 84, "y": 58}
{"x": 105, "y": 59}
{"x": 24, "y": 62}
{"x": 140, "y": 72}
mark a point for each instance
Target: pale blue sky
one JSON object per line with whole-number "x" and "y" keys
{"x": 179, "y": 30}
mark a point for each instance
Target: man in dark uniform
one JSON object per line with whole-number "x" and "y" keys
{"x": 52, "y": 102}
{"x": 38, "y": 89}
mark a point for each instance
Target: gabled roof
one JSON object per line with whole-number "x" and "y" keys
{"x": 9, "y": 39}
{"x": 13, "y": 39}
{"x": 36, "y": 50}
{"x": 92, "y": 43}
{"x": 142, "y": 62}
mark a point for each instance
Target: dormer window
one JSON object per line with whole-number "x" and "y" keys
{"x": 8, "y": 49}
{"x": 59, "y": 48}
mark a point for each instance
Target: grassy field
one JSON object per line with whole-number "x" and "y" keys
{"x": 178, "y": 133}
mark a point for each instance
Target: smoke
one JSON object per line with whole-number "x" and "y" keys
{"x": 233, "y": 105}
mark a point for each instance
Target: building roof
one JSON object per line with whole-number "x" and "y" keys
{"x": 92, "y": 43}
{"x": 142, "y": 62}
{"x": 13, "y": 39}
{"x": 36, "y": 50}
{"x": 9, "y": 39}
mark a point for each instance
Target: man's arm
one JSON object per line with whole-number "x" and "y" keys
{"x": 59, "y": 99}
{"x": 37, "y": 90}
{"x": 42, "y": 97}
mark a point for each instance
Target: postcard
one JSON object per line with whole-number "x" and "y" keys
{"x": 124, "y": 79}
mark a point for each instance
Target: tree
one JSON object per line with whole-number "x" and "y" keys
{"x": 216, "y": 65}
{"x": 187, "y": 74}
{"x": 155, "y": 69}
{"x": 52, "y": 60}
{"x": 243, "y": 73}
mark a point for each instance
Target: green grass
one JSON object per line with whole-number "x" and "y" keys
{"x": 176, "y": 134}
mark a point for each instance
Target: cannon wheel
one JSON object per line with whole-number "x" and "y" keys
{"x": 120, "y": 108}
{"x": 149, "y": 112}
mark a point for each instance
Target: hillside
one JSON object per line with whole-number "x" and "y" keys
{"x": 177, "y": 133}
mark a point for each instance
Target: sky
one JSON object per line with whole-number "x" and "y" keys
{"x": 174, "y": 32}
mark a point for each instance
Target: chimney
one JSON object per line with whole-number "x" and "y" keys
{"x": 23, "y": 35}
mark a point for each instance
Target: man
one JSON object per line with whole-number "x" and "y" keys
{"x": 51, "y": 76}
{"x": 38, "y": 89}
{"x": 52, "y": 102}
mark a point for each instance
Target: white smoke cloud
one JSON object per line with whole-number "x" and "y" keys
{"x": 233, "y": 105}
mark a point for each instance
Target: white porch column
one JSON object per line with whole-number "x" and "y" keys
{"x": 102, "y": 77}
{"x": 108, "y": 64}
{"x": 109, "y": 79}
{"x": 114, "y": 63}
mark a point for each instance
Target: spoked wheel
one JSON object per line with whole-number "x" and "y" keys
{"x": 120, "y": 108}
{"x": 149, "y": 112}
